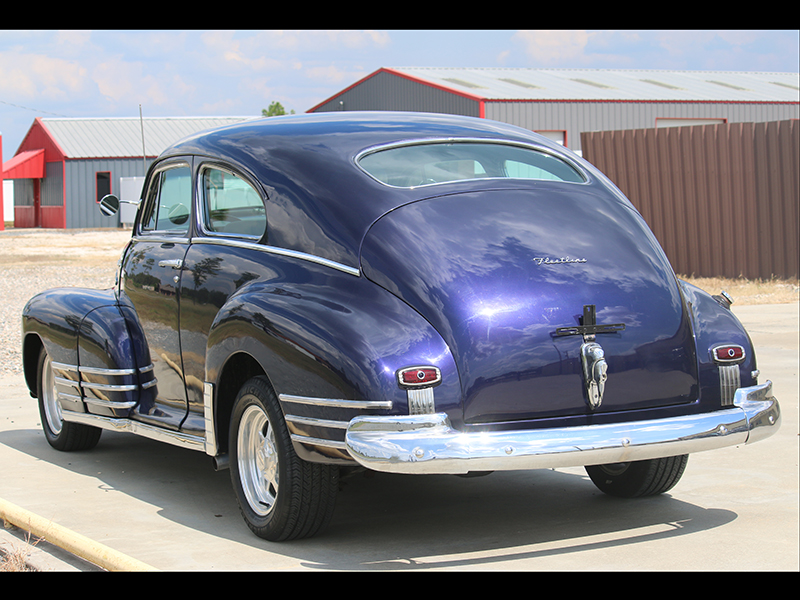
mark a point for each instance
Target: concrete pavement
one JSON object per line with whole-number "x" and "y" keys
{"x": 734, "y": 509}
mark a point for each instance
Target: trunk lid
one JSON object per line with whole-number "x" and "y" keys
{"x": 498, "y": 271}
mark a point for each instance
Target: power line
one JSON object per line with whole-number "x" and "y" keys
{"x": 33, "y": 109}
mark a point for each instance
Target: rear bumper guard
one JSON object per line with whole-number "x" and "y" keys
{"x": 427, "y": 444}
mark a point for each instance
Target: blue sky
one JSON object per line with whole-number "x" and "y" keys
{"x": 202, "y": 73}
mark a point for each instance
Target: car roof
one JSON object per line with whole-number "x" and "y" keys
{"x": 320, "y": 202}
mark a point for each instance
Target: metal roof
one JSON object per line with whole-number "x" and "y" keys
{"x": 611, "y": 84}
{"x": 122, "y": 137}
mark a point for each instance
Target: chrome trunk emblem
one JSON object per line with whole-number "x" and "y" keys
{"x": 595, "y": 371}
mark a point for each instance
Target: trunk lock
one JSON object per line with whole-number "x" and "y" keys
{"x": 593, "y": 358}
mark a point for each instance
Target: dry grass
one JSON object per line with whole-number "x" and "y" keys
{"x": 751, "y": 291}
{"x": 102, "y": 247}
{"x": 15, "y": 558}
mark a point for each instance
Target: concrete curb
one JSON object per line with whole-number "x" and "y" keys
{"x": 72, "y": 542}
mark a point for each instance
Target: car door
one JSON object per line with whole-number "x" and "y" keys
{"x": 150, "y": 284}
{"x": 231, "y": 219}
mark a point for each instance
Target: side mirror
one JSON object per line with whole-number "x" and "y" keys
{"x": 109, "y": 205}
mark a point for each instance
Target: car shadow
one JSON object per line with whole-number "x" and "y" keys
{"x": 393, "y": 522}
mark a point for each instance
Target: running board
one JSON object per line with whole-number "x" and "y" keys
{"x": 175, "y": 438}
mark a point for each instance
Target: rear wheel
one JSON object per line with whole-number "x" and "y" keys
{"x": 60, "y": 434}
{"x": 281, "y": 496}
{"x": 640, "y": 478}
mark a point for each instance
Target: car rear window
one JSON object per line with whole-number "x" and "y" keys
{"x": 441, "y": 162}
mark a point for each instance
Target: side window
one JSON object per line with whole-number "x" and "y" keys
{"x": 231, "y": 206}
{"x": 168, "y": 201}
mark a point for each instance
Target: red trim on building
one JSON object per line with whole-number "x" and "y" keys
{"x": 404, "y": 76}
{"x": 25, "y": 165}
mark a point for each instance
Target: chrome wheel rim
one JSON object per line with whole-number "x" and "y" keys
{"x": 258, "y": 460}
{"x": 52, "y": 409}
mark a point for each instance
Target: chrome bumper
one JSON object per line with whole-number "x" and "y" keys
{"x": 427, "y": 444}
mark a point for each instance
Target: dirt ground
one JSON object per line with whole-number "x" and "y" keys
{"x": 101, "y": 248}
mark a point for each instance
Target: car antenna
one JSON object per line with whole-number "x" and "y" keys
{"x": 141, "y": 124}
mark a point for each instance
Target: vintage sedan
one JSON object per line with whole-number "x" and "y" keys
{"x": 407, "y": 293}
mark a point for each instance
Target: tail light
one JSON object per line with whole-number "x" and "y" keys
{"x": 728, "y": 353}
{"x": 727, "y": 357}
{"x": 417, "y": 377}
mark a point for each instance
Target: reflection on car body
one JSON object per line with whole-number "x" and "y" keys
{"x": 407, "y": 293}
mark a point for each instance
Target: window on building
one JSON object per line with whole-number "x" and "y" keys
{"x": 102, "y": 184}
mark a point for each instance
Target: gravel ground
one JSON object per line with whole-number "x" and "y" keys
{"x": 32, "y": 261}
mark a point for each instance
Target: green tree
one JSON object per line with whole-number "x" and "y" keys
{"x": 275, "y": 108}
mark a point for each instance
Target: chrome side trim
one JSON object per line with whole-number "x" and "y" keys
{"x": 208, "y": 418}
{"x": 175, "y": 438}
{"x": 302, "y": 439}
{"x": 316, "y": 422}
{"x": 109, "y": 387}
{"x": 107, "y": 372}
{"x": 426, "y": 444}
{"x": 355, "y": 272}
{"x": 109, "y": 403}
{"x": 78, "y": 384}
{"x": 333, "y": 403}
{"x": 157, "y": 238}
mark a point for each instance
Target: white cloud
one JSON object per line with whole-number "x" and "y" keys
{"x": 29, "y": 75}
{"x": 553, "y": 46}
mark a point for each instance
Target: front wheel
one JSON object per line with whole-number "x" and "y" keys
{"x": 281, "y": 496}
{"x": 61, "y": 435}
{"x": 640, "y": 478}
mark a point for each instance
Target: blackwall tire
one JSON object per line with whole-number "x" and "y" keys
{"x": 640, "y": 478}
{"x": 61, "y": 435}
{"x": 281, "y": 496}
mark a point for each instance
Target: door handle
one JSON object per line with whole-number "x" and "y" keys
{"x": 176, "y": 263}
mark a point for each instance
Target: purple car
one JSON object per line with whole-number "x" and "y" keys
{"x": 401, "y": 292}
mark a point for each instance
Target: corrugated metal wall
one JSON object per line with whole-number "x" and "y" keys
{"x": 385, "y": 91}
{"x": 577, "y": 117}
{"x": 82, "y": 209}
{"x": 721, "y": 199}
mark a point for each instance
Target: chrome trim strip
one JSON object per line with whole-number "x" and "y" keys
{"x": 331, "y": 403}
{"x": 108, "y": 372}
{"x": 63, "y": 366}
{"x": 157, "y": 238}
{"x": 110, "y": 403}
{"x": 100, "y": 370}
{"x": 426, "y": 444}
{"x": 318, "y": 442}
{"x": 208, "y": 418}
{"x": 317, "y": 422}
{"x": 175, "y": 438}
{"x": 281, "y": 252}
{"x": 108, "y": 387}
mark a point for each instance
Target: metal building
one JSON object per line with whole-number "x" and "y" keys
{"x": 64, "y": 166}
{"x": 562, "y": 103}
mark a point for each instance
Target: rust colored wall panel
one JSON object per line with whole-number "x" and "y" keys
{"x": 721, "y": 199}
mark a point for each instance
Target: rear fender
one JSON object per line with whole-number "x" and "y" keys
{"x": 716, "y": 325}
{"x": 330, "y": 352}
